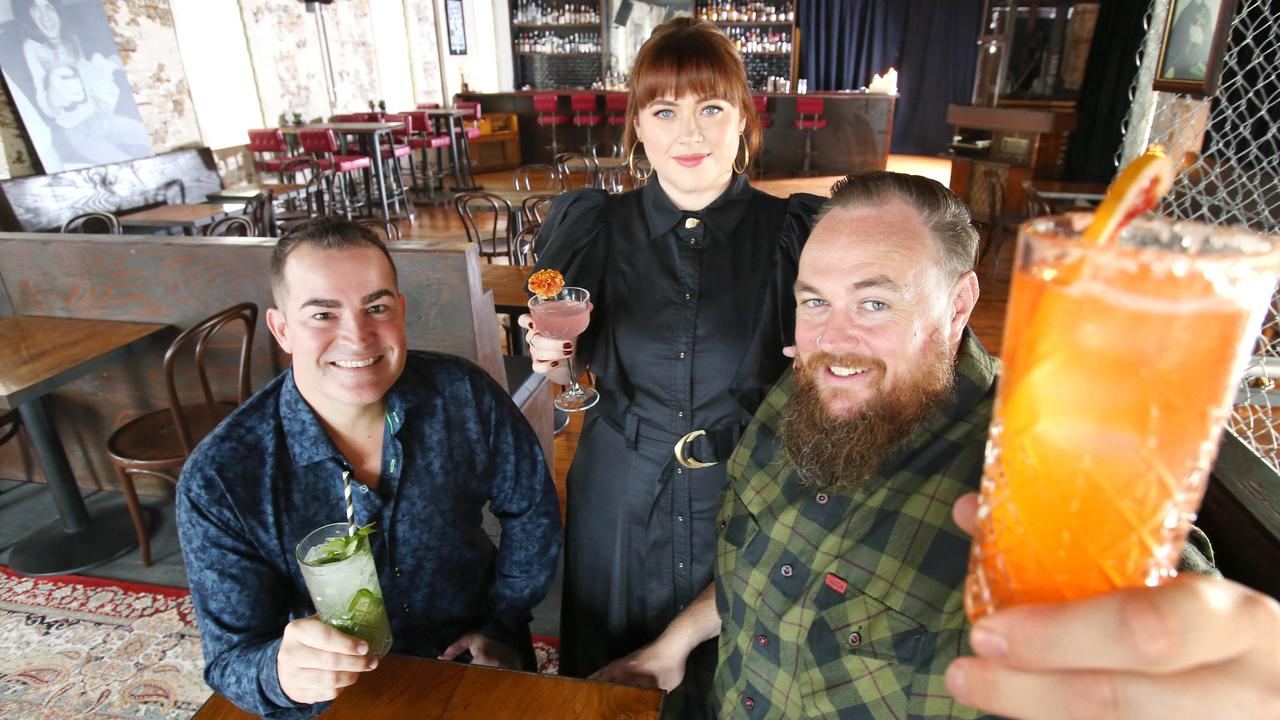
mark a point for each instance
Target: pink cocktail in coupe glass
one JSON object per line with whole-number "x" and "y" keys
{"x": 564, "y": 317}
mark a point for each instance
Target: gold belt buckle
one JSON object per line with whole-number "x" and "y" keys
{"x": 686, "y": 461}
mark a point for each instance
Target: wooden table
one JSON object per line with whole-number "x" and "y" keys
{"x": 245, "y": 193}
{"x": 407, "y": 687}
{"x": 507, "y": 282}
{"x": 1084, "y": 193}
{"x": 188, "y": 217}
{"x": 459, "y": 148}
{"x": 40, "y": 355}
{"x": 508, "y": 285}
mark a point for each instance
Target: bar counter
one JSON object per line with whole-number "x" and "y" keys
{"x": 857, "y": 136}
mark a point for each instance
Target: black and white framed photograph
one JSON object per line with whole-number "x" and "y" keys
{"x": 1195, "y": 39}
{"x": 64, "y": 75}
{"x": 457, "y": 27}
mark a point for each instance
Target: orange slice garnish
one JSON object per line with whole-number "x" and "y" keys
{"x": 546, "y": 283}
{"x": 1136, "y": 190}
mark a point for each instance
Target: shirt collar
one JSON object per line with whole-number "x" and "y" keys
{"x": 307, "y": 441}
{"x": 721, "y": 216}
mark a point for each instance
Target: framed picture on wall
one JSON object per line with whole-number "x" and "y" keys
{"x": 1195, "y": 39}
{"x": 456, "y": 26}
{"x": 63, "y": 71}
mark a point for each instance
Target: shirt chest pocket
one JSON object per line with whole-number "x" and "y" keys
{"x": 859, "y": 648}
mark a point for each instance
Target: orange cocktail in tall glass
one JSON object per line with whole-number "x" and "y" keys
{"x": 1121, "y": 361}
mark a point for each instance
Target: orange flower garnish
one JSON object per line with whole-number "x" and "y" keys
{"x": 546, "y": 283}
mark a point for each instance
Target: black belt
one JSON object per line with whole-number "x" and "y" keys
{"x": 697, "y": 449}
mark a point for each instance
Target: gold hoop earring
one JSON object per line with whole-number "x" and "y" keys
{"x": 631, "y": 164}
{"x": 746, "y": 155}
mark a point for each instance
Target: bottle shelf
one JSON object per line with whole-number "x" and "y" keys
{"x": 566, "y": 26}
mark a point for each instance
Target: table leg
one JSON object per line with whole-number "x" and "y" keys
{"x": 80, "y": 539}
{"x": 382, "y": 183}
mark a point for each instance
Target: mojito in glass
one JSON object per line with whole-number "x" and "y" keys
{"x": 343, "y": 581}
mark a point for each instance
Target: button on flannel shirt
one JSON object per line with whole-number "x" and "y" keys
{"x": 849, "y": 605}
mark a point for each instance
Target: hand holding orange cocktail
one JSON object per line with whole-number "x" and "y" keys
{"x": 1123, "y": 345}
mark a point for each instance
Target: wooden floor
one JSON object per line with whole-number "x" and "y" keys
{"x": 987, "y": 320}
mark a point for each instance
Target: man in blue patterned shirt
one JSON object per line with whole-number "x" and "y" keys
{"x": 429, "y": 439}
{"x": 843, "y": 548}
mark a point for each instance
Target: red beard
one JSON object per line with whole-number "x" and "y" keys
{"x": 845, "y": 452}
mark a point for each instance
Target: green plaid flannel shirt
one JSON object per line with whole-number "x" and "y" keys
{"x": 850, "y": 605}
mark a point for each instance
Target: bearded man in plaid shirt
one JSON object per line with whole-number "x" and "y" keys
{"x": 844, "y": 531}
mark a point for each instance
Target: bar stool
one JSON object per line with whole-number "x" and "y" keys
{"x": 269, "y": 150}
{"x": 615, "y": 104}
{"x": 809, "y": 109}
{"x": 766, "y": 121}
{"x": 323, "y": 146}
{"x": 547, "y": 107}
{"x": 585, "y": 115}
{"x": 425, "y": 139}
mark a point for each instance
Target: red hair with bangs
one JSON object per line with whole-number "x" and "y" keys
{"x": 685, "y": 56}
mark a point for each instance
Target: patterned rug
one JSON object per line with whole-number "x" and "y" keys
{"x": 83, "y": 647}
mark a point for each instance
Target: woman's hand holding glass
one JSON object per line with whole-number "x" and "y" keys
{"x": 550, "y": 356}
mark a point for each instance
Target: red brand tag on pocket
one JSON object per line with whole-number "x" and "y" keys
{"x": 835, "y": 583}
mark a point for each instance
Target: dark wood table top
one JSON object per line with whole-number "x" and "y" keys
{"x": 44, "y": 353}
{"x": 407, "y": 687}
{"x": 507, "y": 283}
{"x": 196, "y": 215}
{"x": 243, "y": 193}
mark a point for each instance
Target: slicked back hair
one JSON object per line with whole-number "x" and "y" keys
{"x": 944, "y": 214}
{"x": 324, "y": 233}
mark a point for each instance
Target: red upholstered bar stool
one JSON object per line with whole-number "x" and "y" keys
{"x": 470, "y": 113}
{"x": 615, "y": 106}
{"x": 548, "y": 109}
{"x": 585, "y": 114}
{"x": 425, "y": 140}
{"x": 809, "y": 109}
{"x": 766, "y": 121}
{"x": 270, "y": 151}
{"x": 323, "y": 146}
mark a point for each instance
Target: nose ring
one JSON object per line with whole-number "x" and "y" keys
{"x": 818, "y": 342}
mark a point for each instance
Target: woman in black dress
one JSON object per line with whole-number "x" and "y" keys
{"x": 691, "y": 280}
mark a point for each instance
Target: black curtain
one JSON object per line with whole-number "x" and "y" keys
{"x": 1104, "y": 93}
{"x": 932, "y": 43}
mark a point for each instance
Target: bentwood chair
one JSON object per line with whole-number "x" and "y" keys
{"x": 100, "y": 223}
{"x": 158, "y": 443}
{"x": 234, "y": 226}
{"x": 9, "y": 424}
{"x": 569, "y": 163}
{"x": 537, "y": 176}
{"x": 535, "y": 207}
{"x": 390, "y": 232}
{"x": 261, "y": 211}
{"x": 522, "y": 246}
{"x": 487, "y": 219}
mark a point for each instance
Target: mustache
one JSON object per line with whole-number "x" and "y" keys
{"x": 823, "y": 358}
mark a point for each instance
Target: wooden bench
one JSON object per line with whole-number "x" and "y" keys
{"x": 179, "y": 281}
{"x": 44, "y": 202}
